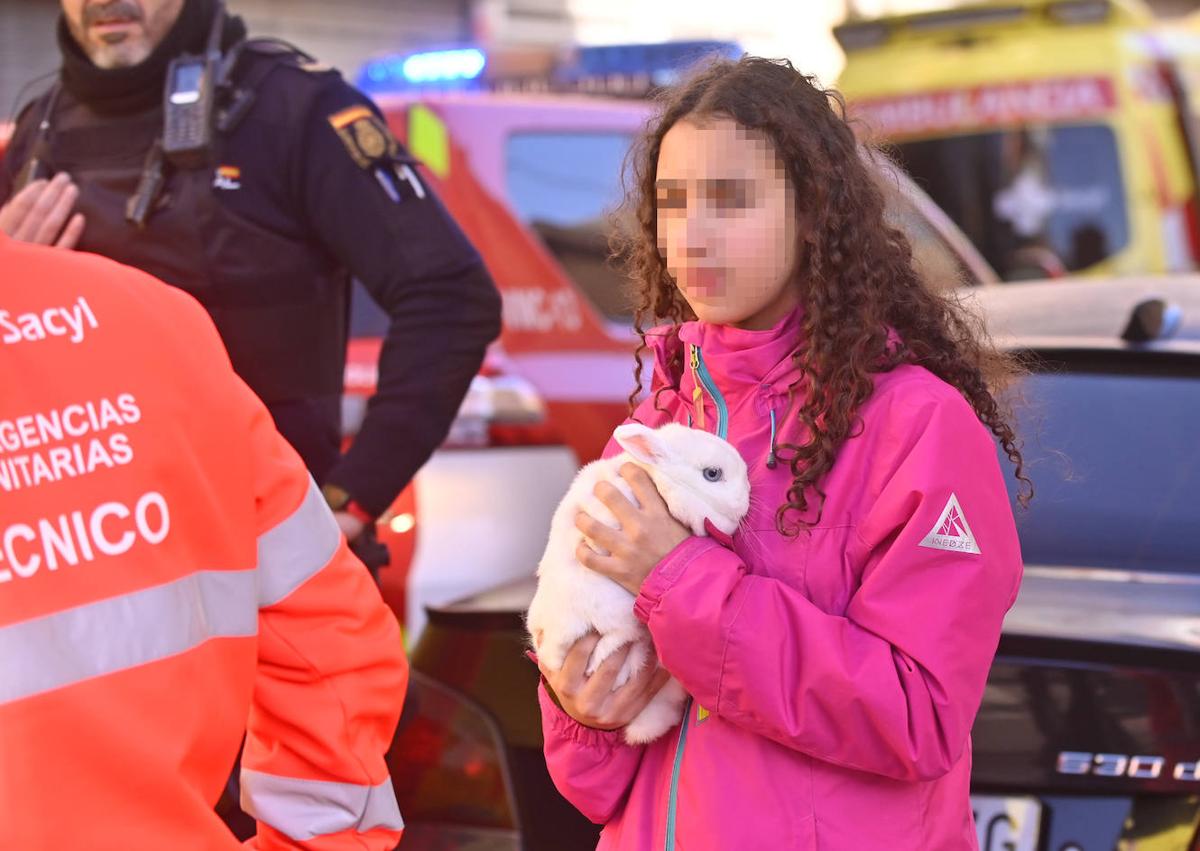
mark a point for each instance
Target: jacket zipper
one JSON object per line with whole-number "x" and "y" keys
{"x": 697, "y": 390}
{"x": 672, "y": 801}
{"x": 703, "y": 379}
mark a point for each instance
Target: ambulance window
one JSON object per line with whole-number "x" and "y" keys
{"x": 563, "y": 186}
{"x": 1036, "y": 201}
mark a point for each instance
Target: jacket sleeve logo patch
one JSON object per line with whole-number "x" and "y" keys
{"x": 365, "y": 136}
{"x": 952, "y": 532}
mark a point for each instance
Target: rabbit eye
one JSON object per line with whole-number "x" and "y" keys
{"x": 713, "y": 474}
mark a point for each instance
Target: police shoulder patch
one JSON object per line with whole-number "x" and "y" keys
{"x": 365, "y": 136}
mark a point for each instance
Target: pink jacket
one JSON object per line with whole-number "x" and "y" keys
{"x": 835, "y": 676}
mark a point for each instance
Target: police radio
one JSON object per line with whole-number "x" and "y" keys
{"x": 190, "y": 99}
{"x": 187, "y": 112}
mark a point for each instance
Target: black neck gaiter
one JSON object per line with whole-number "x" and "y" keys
{"x": 140, "y": 87}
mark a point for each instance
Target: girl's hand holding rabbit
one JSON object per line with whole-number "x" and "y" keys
{"x": 648, "y": 532}
{"x": 592, "y": 701}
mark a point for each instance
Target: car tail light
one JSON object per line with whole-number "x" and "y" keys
{"x": 448, "y": 767}
{"x": 397, "y": 530}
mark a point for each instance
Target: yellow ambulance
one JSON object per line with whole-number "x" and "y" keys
{"x": 1060, "y": 135}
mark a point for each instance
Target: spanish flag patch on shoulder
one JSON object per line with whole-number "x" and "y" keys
{"x": 348, "y": 116}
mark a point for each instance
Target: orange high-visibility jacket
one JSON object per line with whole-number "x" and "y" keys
{"x": 170, "y": 579}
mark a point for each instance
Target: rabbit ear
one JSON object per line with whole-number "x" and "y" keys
{"x": 640, "y": 442}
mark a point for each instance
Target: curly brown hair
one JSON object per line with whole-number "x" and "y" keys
{"x": 855, "y": 273}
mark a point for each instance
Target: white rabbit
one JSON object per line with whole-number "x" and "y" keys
{"x": 700, "y": 476}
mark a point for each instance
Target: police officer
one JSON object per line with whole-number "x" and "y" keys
{"x": 262, "y": 206}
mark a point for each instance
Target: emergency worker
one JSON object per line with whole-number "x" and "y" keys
{"x": 171, "y": 579}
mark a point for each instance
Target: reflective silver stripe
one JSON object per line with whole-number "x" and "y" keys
{"x": 306, "y": 809}
{"x": 123, "y": 632}
{"x": 144, "y": 626}
{"x": 295, "y": 550}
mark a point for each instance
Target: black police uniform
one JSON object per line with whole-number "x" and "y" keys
{"x": 306, "y": 189}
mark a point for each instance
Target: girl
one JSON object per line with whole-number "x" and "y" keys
{"x": 835, "y": 648}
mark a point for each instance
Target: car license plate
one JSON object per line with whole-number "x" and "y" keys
{"x": 1006, "y": 824}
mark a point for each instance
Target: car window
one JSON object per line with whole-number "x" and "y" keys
{"x": 1032, "y": 199}
{"x": 1115, "y": 464}
{"x": 563, "y": 186}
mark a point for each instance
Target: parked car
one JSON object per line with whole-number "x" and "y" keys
{"x": 1088, "y": 738}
